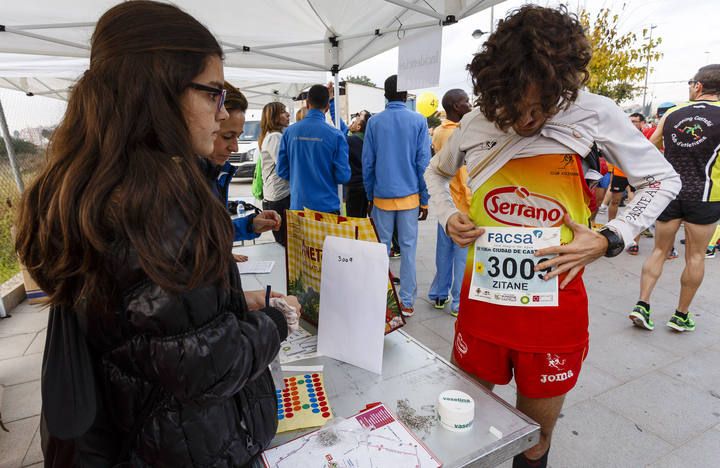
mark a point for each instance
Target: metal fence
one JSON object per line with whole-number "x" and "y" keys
{"x": 30, "y": 121}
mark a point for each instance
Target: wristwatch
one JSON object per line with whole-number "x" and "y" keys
{"x": 615, "y": 243}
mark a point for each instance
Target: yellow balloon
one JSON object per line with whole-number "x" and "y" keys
{"x": 427, "y": 103}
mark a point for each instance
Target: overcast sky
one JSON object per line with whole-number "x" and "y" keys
{"x": 689, "y": 30}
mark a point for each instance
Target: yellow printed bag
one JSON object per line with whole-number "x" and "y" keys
{"x": 306, "y": 232}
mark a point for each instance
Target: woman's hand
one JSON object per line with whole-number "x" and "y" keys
{"x": 255, "y": 299}
{"x": 462, "y": 230}
{"x": 267, "y": 220}
{"x": 586, "y": 247}
{"x": 240, "y": 258}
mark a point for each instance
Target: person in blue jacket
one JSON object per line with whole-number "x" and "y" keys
{"x": 220, "y": 172}
{"x": 395, "y": 154}
{"x": 314, "y": 158}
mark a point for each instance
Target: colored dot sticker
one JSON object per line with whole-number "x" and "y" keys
{"x": 286, "y": 399}
{"x": 289, "y": 415}
{"x": 301, "y": 381}
{"x": 307, "y": 376}
{"x": 316, "y": 379}
{"x": 314, "y": 405}
{"x": 280, "y": 416}
{"x": 315, "y": 375}
{"x": 313, "y": 400}
{"x": 320, "y": 393}
{"x": 294, "y": 392}
{"x": 321, "y": 399}
{"x": 311, "y": 394}
{"x": 315, "y": 410}
{"x": 306, "y": 406}
{"x": 323, "y": 408}
{"x": 326, "y": 415}
{"x": 297, "y": 408}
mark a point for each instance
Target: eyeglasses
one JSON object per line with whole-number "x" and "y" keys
{"x": 692, "y": 82}
{"x": 215, "y": 92}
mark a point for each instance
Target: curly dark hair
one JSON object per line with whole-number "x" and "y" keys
{"x": 533, "y": 46}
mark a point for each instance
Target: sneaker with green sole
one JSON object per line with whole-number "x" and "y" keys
{"x": 640, "y": 316}
{"x": 680, "y": 324}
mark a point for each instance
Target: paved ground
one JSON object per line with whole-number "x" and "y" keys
{"x": 643, "y": 399}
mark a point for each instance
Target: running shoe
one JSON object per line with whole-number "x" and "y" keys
{"x": 603, "y": 209}
{"x": 407, "y": 311}
{"x": 633, "y": 249}
{"x": 394, "y": 253}
{"x": 647, "y": 233}
{"x": 440, "y": 303}
{"x": 710, "y": 252}
{"x": 680, "y": 324}
{"x": 640, "y": 316}
{"x": 673, "y": 254}
{"x": 395, "y": 280}
{"x": 454, "y": 312}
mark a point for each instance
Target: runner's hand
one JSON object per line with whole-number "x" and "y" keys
{"x": 240, "y": 258}
{"x": 462, "y": 230}
{"x": 586, "y": 247}
{"x": 266, "y": 221}
{"x": 423, "y": 214}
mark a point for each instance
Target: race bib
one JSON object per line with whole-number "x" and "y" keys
{"x": 504, "y": 267}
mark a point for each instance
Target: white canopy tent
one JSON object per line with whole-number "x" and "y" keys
{"x": 320, "y": 35}
{"x": 37, "y": 75}
{"x": 302, "y": 35}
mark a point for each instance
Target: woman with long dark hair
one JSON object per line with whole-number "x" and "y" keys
{"x": 276, "y": 190}
{"x": 134, "y": 252}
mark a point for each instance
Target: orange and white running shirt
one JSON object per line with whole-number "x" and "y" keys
{"x": 533, "y": 192}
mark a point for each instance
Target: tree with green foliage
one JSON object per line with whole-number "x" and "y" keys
{"x": 434, "y": 120}
{"x": 618, "y": 64}
{"x": 360, "y": 79}
{"x": 20, "y": 147}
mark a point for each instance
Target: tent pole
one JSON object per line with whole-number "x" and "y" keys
{"x": 336, "y": 78}
{"x": 10, "y": 150}
{"x": 419, "y": 9}
{"x": 234, "y": 48}
{"x": 40, "y": 37}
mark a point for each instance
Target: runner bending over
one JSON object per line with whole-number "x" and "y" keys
{"x": 524, "y": 312}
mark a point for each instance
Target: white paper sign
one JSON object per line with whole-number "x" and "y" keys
{"x": 353, "y": 302}
{"x": 255, "y": 268}
{"x": 419, "y": 59}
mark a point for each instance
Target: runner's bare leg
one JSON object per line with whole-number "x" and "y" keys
{"x": 544, "y": 411}
{"x": 652, "y": 268}
{"x": 697, "y": 237}
{"x": 614, "y": 205}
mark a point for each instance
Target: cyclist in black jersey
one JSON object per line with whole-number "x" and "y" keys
{"x": 690, "y": 133}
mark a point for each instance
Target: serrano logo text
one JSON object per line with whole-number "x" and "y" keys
{"x": 517, "y": 206}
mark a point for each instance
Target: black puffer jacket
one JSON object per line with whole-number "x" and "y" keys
{"x": 209, "y": 358}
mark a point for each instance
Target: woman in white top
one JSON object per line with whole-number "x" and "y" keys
{"x": 276, "y": 191}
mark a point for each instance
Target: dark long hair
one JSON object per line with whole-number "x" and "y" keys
{"x": 544, "y": 47}
{"x": 121, "y": 163}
